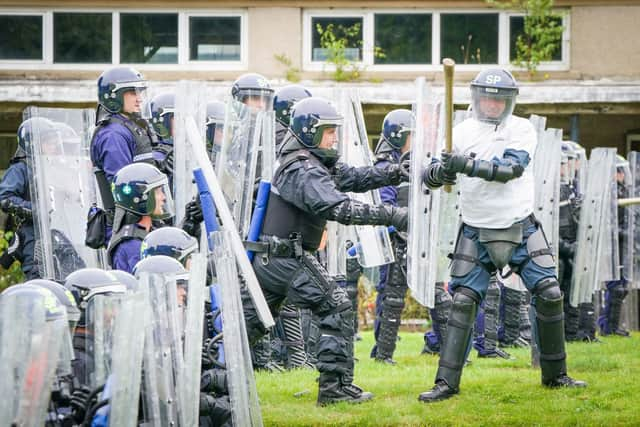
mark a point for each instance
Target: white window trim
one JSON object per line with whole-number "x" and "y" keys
{"x": 368, "y": 33}
{"x": 43, "y": 15}
{"x": 183, "y": 41}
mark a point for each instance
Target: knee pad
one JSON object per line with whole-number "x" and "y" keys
{"x": 548, "y": 288}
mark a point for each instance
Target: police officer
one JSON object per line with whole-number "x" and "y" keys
{"x": 439, "y": 315}
{"x": 395, "y": 141}
{"x": 161, "y": 113}
{"x": 610, "y": 319}
{"x": 215, "y": 129}
{"x": 307, "y": 191}
{"x": 121, "y": 136}
{"x": 169, "y": 241}
{"x": 15, "y": 197}
{"x": 283, "y": 102}
{"x": 493, "y": 151}
{"x": 141, "y": 194}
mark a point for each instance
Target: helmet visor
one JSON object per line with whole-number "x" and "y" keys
{"x": 159, "y": 201}
{"x": 134, "y": 98}
{"x": 257, "y": 99}
{"x": 492, "y": 105}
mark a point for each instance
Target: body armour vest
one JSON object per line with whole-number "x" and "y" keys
{"x": 282, "y": 218}
{"x": 144, "y": 146}
{"x": 126, "y": 232}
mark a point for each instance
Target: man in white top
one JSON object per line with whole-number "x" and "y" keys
{"x": 493, "y": 151}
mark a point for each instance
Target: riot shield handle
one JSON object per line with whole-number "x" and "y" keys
{"x": 448, "y": 65}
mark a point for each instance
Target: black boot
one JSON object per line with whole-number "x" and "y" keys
{"x": 334, "y": 389}
{"x": 618, "y": 295}
{"x": 587, "y": 322}
{"x": 571, "y": 322}
{"x": 550, "y": 327}
{"x": 454, "y": 347}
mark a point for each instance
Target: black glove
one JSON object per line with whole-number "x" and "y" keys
{"x": 214, "y": 380}
{"x": 399, "y": 218}
{"x": 397, "y": 173}
{"x": 435, "y": 176}
{"x": 217, "y": 409}
{"x": 192, "y": 218}
{"x": 79, "y": 403}
{"x": 456, "y": 163}
{"x": 21, "y": 212}
{"x": 166, "y": 165}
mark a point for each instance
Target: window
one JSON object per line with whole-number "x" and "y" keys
{"x": 82, "y": 37}
{"x": 149, "y": 38}
{"x": 341, "y": 27}
{"x": 21, "y": 37}
{"x": 470, "y": 38}
{"x": 214, "y": 38}
{"x": 403, "y": 39}
{"x": 516, "y": 28}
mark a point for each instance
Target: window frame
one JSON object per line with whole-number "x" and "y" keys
{"x": 368, "y": 33}
{"x": 183, "y": 40}
{"x": 29, "y": 12}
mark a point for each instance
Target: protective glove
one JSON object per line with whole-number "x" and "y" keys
{"x": 166, "y": 165}
{"x": 192, "y": 218}
{"x": 22, "y": 212}
{"x": 214, "y": 380}
{"x": 435, "y": 176}
{"x": 79, "y": 403}
{"x": 456, "y": 163}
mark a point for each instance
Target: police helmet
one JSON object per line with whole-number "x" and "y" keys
{"x": 215, "y": 122}
{"x": 284, "y": 100}
{"x": 169, "y": 241}
{"x": 142, "y": 189}
{"x": 86, "y": 283}
{"x": 495, "y": 84}
{"x": 64, "y": 297}
{"x": 161, "y": 264}
{"x": 396, "y": 127}
{"x": 310, "y": 117}
{"x": 29, "y": 297}
{"x": 127, "y": 279}
{"x": 254, "y": 90}
{"x": 161, "y": 111}
{"x": 37, "y": 129}
{"x": 114, "y": 82}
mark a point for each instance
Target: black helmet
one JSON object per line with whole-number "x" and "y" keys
{"x": 115, "y": 81}
{"x": 494, "y": 84}
{"x": 37, "y": 127}
{"x": 135, "y": 189}
{"x": 85, "y": 283}
{"x": 161, "y": 111}
{"x": 284, "y": 100}
{"x": 310, "y": 117}
{"x": 252, "y": 86}
{"x": 169, "y": 241}
{"x": 396, "y": 128}
{"x": 215, "y": 125}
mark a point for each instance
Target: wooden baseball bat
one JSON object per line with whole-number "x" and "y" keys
{"x": 448, "y": 65}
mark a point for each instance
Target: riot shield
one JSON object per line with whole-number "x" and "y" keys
{"x": 190, "y": 101}
{"x": 242, "y": 388}
{"x": 62, "y": 190}
{"x": 422, "y": 251}
{"x": 237, "y": 160}
{"x": 197, "y": 145}
{"x": 374, "y": 247}
{"x": 126, "y": 363}
{"x": 539, "y": 123}
{"x": 609, "y": 268}
{"x": 546, "y": 172}
{"x": 30, "y": 340}
{"x": 594, "y": 220}
{"x": 634, "y": 220}
{"x": 625, "y": 221}
{"x": 335, "y": 249}
{"x": 163, "y": 358}
{"x": 192, "y": 331}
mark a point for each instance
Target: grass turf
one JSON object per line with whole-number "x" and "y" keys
{"x": 495, "y": 392}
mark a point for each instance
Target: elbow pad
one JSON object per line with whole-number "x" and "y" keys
{"x": 353, "y": 212}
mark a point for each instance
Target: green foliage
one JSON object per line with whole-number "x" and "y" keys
{"x": 494, "y": 392}
{"x": 291, "y": 73}
{"x": 542, "y": 32}
{"x": 335, "y": 39}
{"x": 13, "y": 274}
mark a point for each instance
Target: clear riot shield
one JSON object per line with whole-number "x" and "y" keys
{"x": 625, "y": 222}
{"x": 335, "y": 249}
{"x": 580, "y": 168}
{"x": 62, "y": 190}
{"x": 546, "y": 172}
{"x": 30, "y": 343}
{"x": 374, "y": 244}
{"x": 126, "y": 363}
{"x": 594, "y": 217}
{"x": 609, "y": 268}
{"x": 634, "y": 220}
{"x": 192, "y": 331}
{"x": 539, "y": 123}
{"x": 422, "y": 251}
{"x": 191, "y": 101}
{"x": 163, "y": 358}
{"x": 100, "y": 320}
{"x": 237, "y": 160}
{"x": 243, "y": 395}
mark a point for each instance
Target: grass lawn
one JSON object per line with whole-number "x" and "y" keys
{"x": 494, "y": 392}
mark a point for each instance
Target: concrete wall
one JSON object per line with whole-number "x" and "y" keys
{"x": 274, "y": 31}
{"x": 605, "y": 41}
